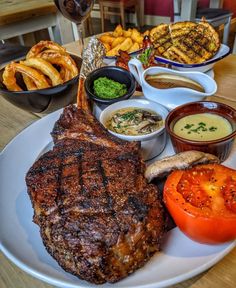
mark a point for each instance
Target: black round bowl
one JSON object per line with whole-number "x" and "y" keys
{"x": 115, "y": 73}
{"x": 43, "y": 100}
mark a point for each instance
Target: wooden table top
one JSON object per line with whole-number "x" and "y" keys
{"x": 13, "y": 120}
{"x": 16, "y": 10}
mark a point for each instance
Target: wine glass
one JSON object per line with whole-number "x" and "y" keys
{"x": 76, "y": 11}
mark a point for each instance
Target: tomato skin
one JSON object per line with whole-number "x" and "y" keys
{"x": 207, "y": 229}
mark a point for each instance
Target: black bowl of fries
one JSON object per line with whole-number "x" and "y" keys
{"x": 39, "y": 88}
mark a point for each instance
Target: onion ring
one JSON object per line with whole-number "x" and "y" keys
{"x": 46, "y": 68}
{"x": 69, "y": 68}
{"x": 65, "y": 74}
{"x": 29, "y": 83}
{"x": 39, "y": 47}
{"x": 9, "y": 78}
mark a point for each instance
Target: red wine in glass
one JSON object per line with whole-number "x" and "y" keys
{"x": 76, "y": 11}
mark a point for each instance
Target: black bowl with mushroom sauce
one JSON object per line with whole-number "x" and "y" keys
{"x": 138, "y": 120}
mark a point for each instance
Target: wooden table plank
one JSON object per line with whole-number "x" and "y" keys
{"x": 12, "y": 121}
{"x": 18, "y": 10}
{"x": 221, "y": 275}
{"x": 225, "y": 75}
{"x": 226, "y": 85}
{"x": 13, "y": 277}
{"x": 19, "y": 17}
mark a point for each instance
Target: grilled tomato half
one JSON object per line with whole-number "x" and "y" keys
{"x": 202, "y": 202}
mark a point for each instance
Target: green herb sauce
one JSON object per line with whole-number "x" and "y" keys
{"x": 108, "y": 89}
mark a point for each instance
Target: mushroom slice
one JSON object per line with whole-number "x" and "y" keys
{"x": 183, "y": 160}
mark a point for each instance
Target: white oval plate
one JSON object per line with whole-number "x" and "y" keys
{"x": 20, "y": 239}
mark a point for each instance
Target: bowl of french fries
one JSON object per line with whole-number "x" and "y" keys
{"x": 130, "y": 40}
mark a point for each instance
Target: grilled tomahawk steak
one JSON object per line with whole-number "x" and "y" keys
{"x": 98, "y": 216}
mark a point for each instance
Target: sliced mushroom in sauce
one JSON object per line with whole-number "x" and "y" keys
{"x": 134, "y": 121}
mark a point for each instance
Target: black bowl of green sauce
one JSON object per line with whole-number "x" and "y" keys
{"x": 110, "y": 84}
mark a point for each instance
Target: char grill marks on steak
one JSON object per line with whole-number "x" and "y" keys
{"x": 97, "y": 215}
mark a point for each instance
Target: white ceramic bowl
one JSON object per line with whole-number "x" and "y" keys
{"x": 172, "y": 97}
{"x": 151, "y": 144}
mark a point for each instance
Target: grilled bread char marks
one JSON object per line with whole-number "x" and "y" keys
{"x": 98, "y": 217}
{"x": 161, "y": 38}
{"x": 186, "y": 42}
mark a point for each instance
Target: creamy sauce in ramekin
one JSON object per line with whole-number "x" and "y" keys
{"x": 202, "y": 127}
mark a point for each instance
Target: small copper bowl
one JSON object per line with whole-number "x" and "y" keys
{"x": 220, "y": 147}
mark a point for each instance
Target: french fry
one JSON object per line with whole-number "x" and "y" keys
{"x": 127, "y": 40}
{"x": 113, "y": 52}
{"x": 139, "y": 39}
{"x": 127, "y": 33}
{"x": 134, "y": 47}
{"x": 106, "y": 38}
{"x": 126, "y": 44}
{"x": 118, "y": 31}
{"x": 107, "y": 46}
{"x": 135, "y": 34}
{"x": 117, "y": 41}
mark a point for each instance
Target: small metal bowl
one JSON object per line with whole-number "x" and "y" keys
{"x": 43, "y": 100}
{"x": 220, "y": 147}
{"x": 115, "y": 73}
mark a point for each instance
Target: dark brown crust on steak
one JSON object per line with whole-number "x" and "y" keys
{"x": 97, "y": 215}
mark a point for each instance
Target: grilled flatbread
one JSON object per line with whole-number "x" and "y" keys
{"x": 186, "y": 42}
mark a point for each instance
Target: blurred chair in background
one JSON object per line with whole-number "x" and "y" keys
{"x": 215, "y": 16}
{"x": 117, "y": 8}
{"x": 18, "y": 18}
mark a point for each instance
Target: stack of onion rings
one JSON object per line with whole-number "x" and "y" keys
{"x": 67, "y": 64}
{"x": 47, "y": 64}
